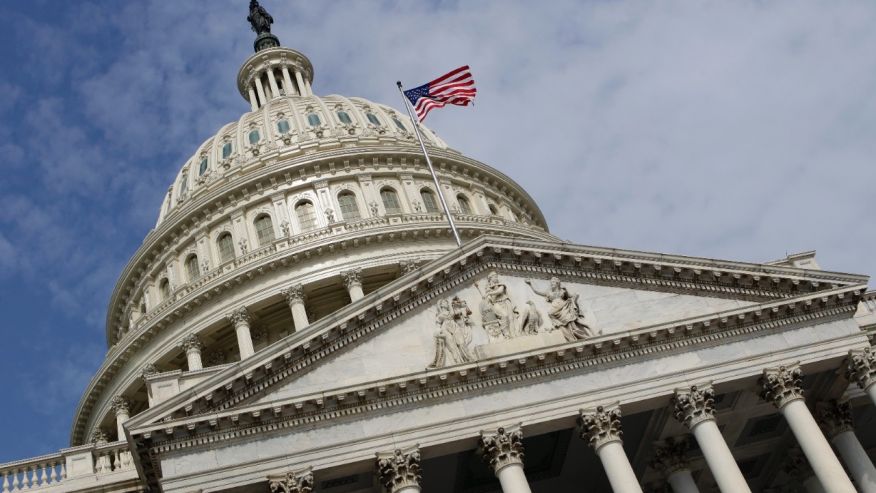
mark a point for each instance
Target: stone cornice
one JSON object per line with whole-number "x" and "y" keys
{"x": 204, "y": 408}
{"x": 274, "y": 171}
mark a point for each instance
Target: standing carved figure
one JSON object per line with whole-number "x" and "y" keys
{"x": 454, "y": 336}
{"x": 497, "y": 311}
{"x": 259, "y": 18}
{"x": 564, "y": 312}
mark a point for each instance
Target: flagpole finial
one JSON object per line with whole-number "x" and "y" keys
{"x": 398, "y": 83}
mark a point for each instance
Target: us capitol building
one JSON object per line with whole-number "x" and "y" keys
{"x": 301, "y": 320}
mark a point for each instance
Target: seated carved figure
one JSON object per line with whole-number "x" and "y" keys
{"x": 564, "y": 312}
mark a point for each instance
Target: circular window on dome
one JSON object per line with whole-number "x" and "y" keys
{"x": 254, "y": 137}
{"x": 344, "y": 118}
{"x": 283, "y": 126}
{"x": 373, "y": 119}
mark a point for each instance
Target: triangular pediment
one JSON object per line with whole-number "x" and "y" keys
{"x": 625, "y": 301}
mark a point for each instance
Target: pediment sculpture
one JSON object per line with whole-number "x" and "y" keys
{"x": 564, "y": 313}
{"x": 454, "y": 337}
{"x": 500, "y": 317}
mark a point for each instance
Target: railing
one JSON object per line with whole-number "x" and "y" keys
{"x": 59, "y": 470}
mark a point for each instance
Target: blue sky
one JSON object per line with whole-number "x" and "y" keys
{"x": 740, "y": 130}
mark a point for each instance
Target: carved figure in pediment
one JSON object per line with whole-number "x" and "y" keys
{"x": 497, "y": 310}
{"x": 454, "y": 337}
{"x": 564, "y": 312}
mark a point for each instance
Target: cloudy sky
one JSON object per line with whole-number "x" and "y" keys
{"x": 741, "y": 130}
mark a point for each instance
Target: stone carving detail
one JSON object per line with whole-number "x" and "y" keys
{"x": 239, "y": 316}
{"x": 292, "y": 482}
{"x": 565, "y": 314}
{"x": 503, "y": 448}
{"x": 375, "y": 211}
{"x": 330, "y": 215}
{"x": 670, "y": 455}
{"x": 242, "y": 245}
{"x": 352, "y": 277}
{"x": 400, "y": 469}
{"x": 191, "y": 343}
{"x": 600, "y": 426}
{"x": 120, "y": 405}
{"x": 834, "y": 417}
{"x": 499, "y": 317}
{"x": 782, "y": 385}
{"x": 294, "y": 294}
{"x": 453, "y": 340}
{"x": 148, "y": 369}
{"x": 692, "y": 407}
{"x": 862, "y": 367}
{"x": 285, "y": 229}
{"x": 98, "y": 436}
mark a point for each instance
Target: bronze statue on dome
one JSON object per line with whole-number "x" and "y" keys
{"x": 259, "y": 18}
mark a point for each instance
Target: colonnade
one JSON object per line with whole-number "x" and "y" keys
{"x": 693, "y": 407}
{"x": 264, "y": 86}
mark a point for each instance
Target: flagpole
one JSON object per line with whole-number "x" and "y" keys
{"x": 429, "y": 163}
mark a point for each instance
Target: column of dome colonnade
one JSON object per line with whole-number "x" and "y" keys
{"x": 295, "y": 299}
{"x": 835, "y": 419}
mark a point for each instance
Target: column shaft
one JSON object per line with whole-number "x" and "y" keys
{"x": 721, "y": 463}
{"x": 822, "y": 459}
{"x": 512, "y": 479}
{"x": 856, "y": 459}
{"x": 299, "y": 316}
{"x": 300, "y": 80}
{"x": 261, "y": 91}
{"x": 193, "y": 356}
{"x": 356, "y": 292}
{"x": 272, "y": 81}
{"x": 253, "y": 101}
{"x": 287, "y": 81}
{"x": 121, "y": 417}
{"x": 682, "y": 482}
{"x": 618, "y": 469}
{"x": 244, "y": 340}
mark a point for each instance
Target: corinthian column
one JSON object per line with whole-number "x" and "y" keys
{"x": 601, "y": 428}
{"x": 292, "y": 482}
{"x": 695, "y": 409}
{"x": 295, "y": 298}
{"x": 192, "y": 346}
{"x": 400, "y": 470}
{"x": 122, "y": 408}
{"x": 503, "y": 451}
{"x": 241, "y": 320}
{"x": 835, "y": 419}
{"x": 782, "y": 388}
{"x": 353, "y": 280}
{"x": 862, "y": 370}
{"x": 669, "y": 459}
{"x": 800, "y": 474}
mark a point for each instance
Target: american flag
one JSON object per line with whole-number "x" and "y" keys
{"x": 456, "y": 87}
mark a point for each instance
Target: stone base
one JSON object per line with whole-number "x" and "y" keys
{"x": 519, "y": 344}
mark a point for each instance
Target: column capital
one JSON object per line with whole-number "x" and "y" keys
{"x": 98, "y": 436}
{"x": 352, "y": 277}
{"x": 834, "y": 417}
{"x": 862, "y": 367}
{"x": 294, "y": 294}
{"x": 121, "y": 405}
{"x": 782, "y": 385}
{"x": 191, "y": 343}
{"x": 239, "y": 316}
{"x": 600, "y": 426}
{"x": 503, "y": 448}
{"x": 292, "y": 482}
{"x": 147, "y": 370}
{"x": 399, "y": 469}
{"x": 670, "y": 455}
{"x": 695, "y": 405}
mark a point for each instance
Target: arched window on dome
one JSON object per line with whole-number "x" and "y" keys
{"x": 254, "y": 136}
{"x": 192, "y": 268}
{"x": 348, "y": 205}
{"x": 226, "y": 150}
{"x": 164, "y": 289}
{"x": 399, "y": 124}
{"x": 313, "y": 120}
{"x": 202, "y": 168}
{"x": 283, "y": 126}
{"x": 464, "y": 204}
{"x": 264, "y": 229}
{"x": 429, "y": 202}
{"x": 225, "y": 244}
{"x": 390, "y": 200}
{"x": 373, "y": 119}
{"x": 306, "y": 214}
{"x": 344, "y": 118}
{"x": 493, "y": 209}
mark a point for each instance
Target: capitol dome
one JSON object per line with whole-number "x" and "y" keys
{"x": 302, "y": 206}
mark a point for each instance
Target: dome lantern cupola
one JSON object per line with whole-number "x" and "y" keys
{"x": 273, "y": 71}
